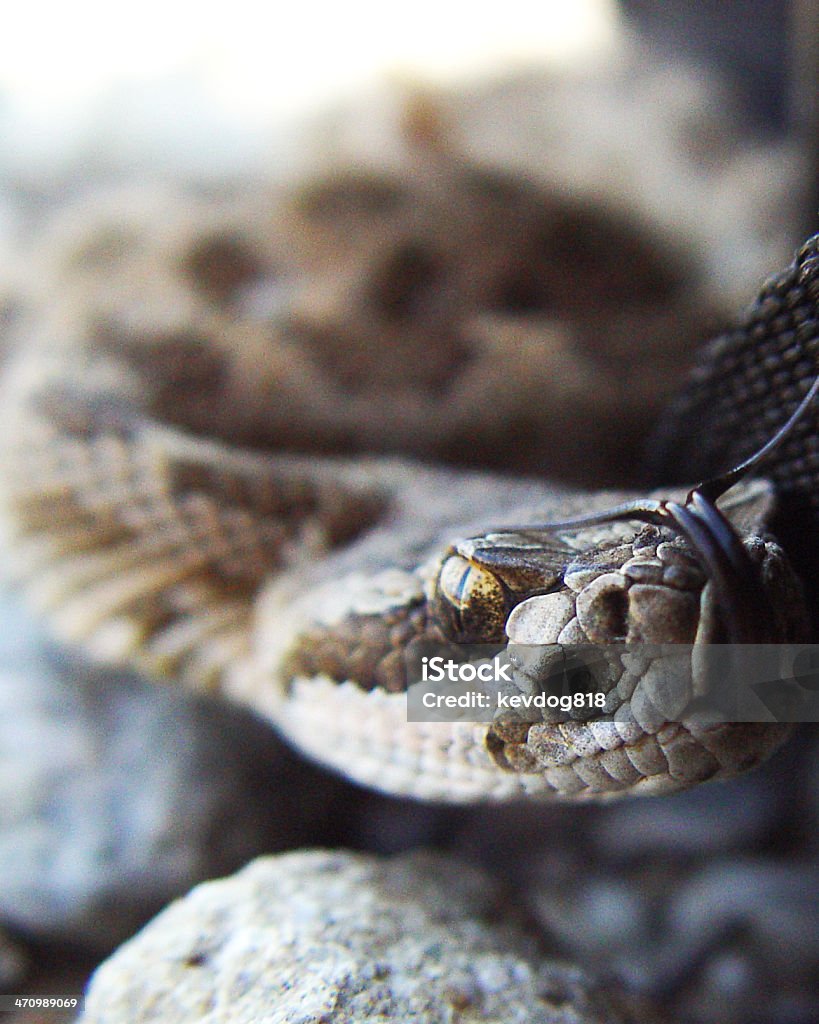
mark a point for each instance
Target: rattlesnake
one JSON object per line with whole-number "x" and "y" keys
{"x": 172, "y": 494}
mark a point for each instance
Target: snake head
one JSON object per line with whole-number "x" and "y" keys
{"x": 645, "y": 597}
{"x": 614, "y": 580}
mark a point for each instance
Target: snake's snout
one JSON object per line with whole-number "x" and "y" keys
{"x": 644, "y": 594}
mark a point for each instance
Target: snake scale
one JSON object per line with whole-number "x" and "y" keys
{"x": 150, "y": 521}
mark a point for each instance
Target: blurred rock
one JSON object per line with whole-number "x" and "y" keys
{"x": 708, "y": 819}
{"x": 13, "y": 962}
{"x": 320, "y": 936}
{"x": 750, "y": 931}
{"x": 736, "y": 939}
{"x": 116, "y": 796}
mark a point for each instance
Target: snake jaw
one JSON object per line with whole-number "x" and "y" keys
{"x": 651, "y": 593}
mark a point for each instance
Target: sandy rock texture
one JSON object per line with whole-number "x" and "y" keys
{"x": 325, "y": 936}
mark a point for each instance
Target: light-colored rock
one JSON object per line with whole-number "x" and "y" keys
{"x": 321, "y": 936}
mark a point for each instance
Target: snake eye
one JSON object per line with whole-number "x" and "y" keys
{"x": 469, "y": 602}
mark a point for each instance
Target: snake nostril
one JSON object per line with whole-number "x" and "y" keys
{"x": 612, "y": 613}
{"x": 603, "y": 609}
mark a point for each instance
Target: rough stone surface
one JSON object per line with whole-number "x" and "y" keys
{"x": 320, "y": 936}
{"x": 116, "y": 796}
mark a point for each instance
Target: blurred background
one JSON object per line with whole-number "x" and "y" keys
{"x": 203, "y": 86}
{"x": 209, "y": 88}
{"x": 94, "y": 93}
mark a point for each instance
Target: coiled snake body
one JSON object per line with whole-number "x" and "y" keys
{"x": 300, "y": 582}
